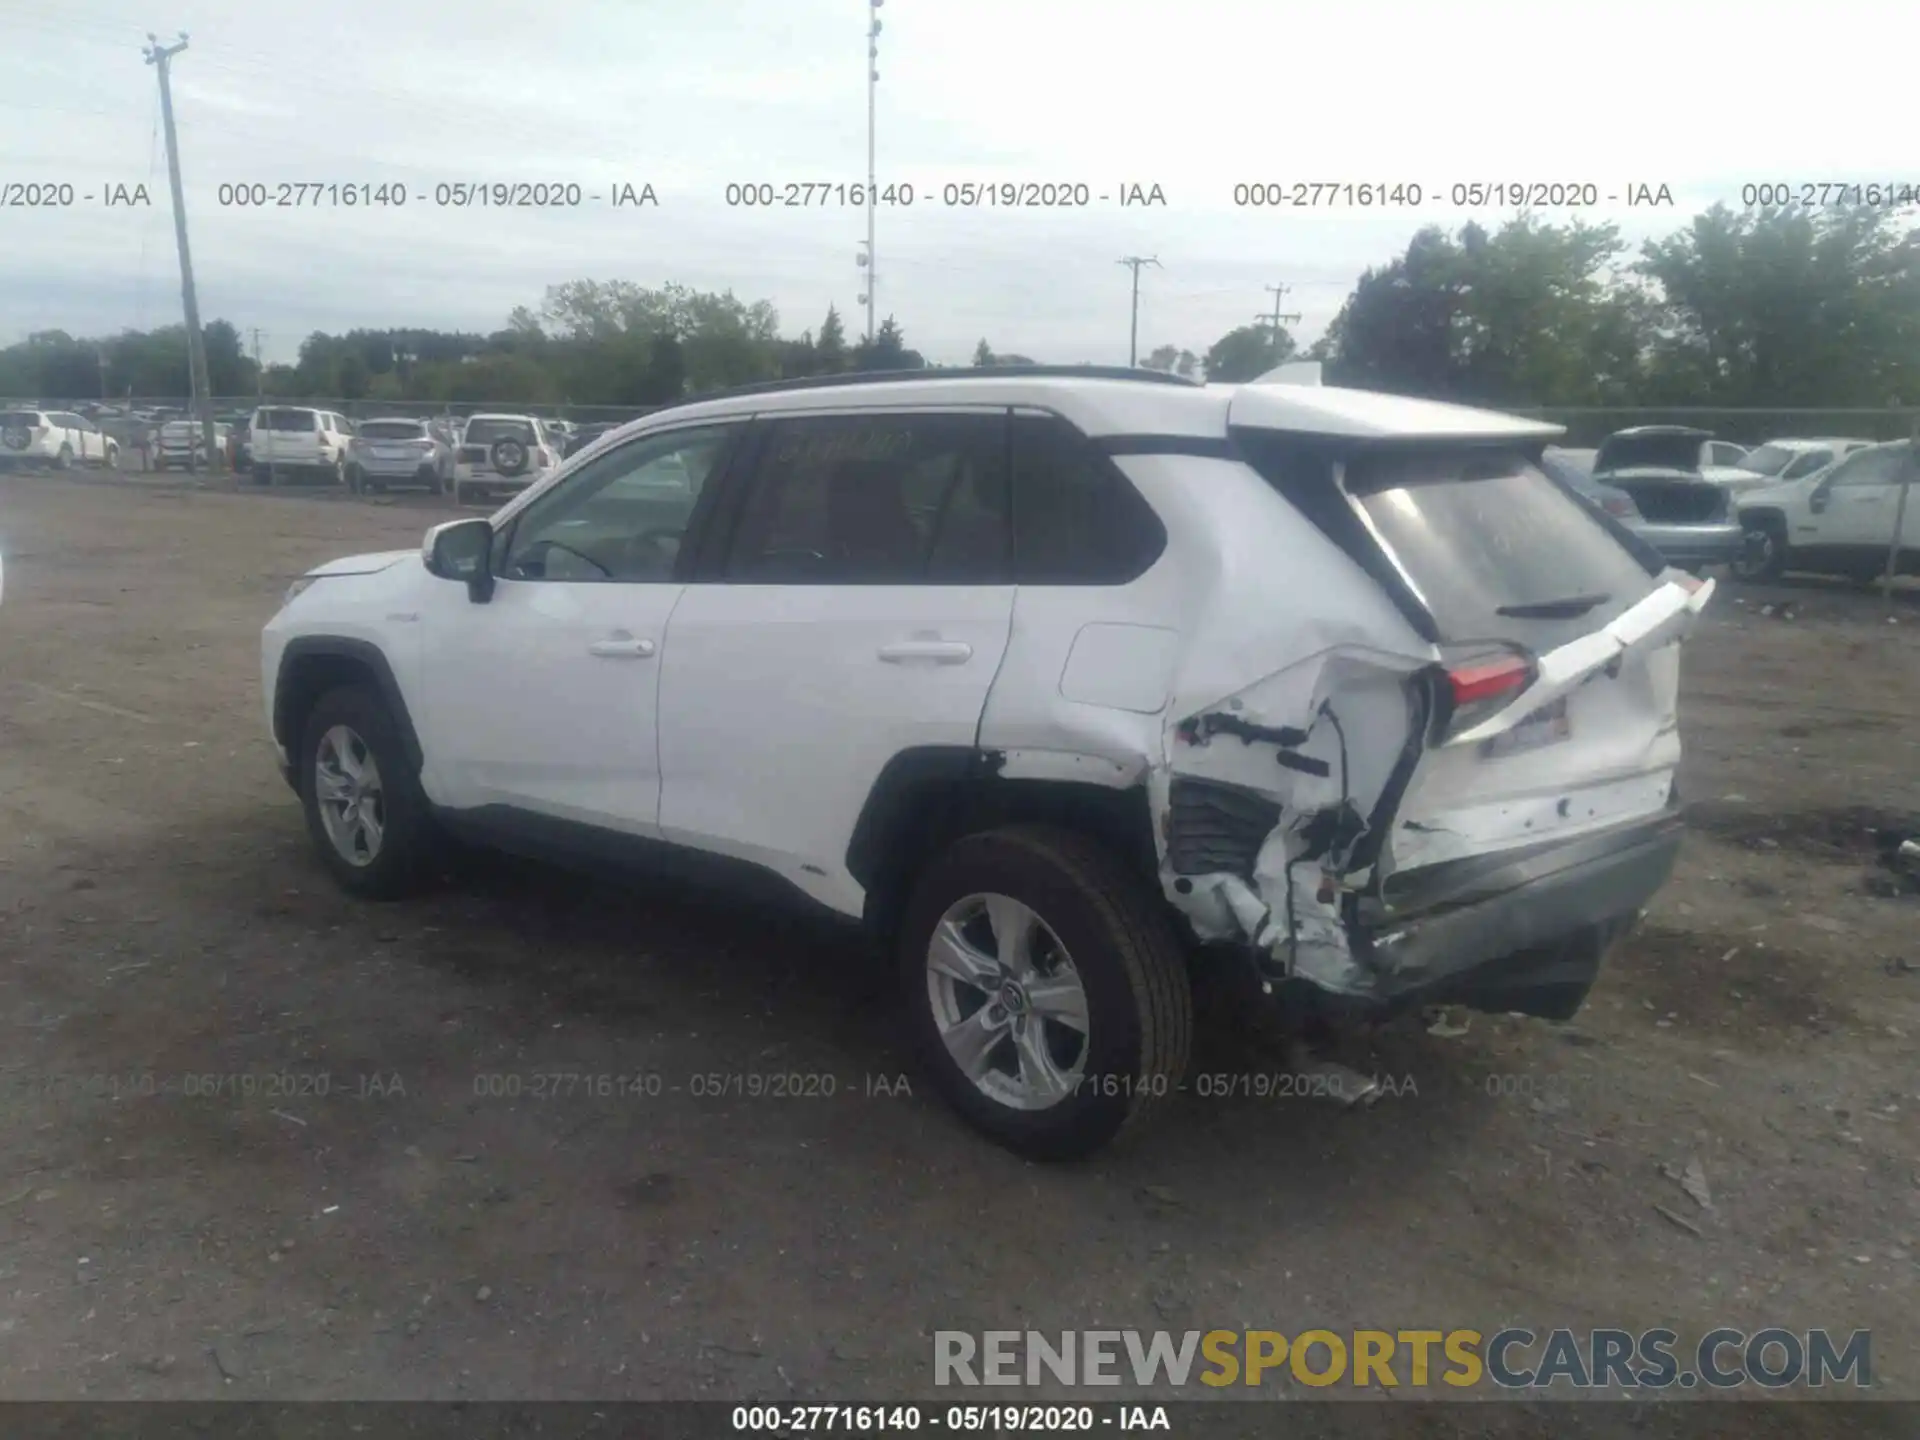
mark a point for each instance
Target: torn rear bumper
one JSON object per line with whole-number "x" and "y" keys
{"x": 1523, "y": 932}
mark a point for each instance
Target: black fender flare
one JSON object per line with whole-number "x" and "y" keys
{"x": 362, "y": 654}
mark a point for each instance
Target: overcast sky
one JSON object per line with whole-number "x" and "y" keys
{"x": 689, "y": 95}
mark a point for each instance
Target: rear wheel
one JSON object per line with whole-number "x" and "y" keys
{"x": 365, "y": 810}
{"x": 1046, "y": 990}
{"x": 263, "y": 475}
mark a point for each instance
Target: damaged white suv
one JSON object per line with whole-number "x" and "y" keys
{"x": 1066, "y": 683}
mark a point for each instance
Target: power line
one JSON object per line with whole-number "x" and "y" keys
{"x": 161, "y": 58}
{"x": 1134, "y": 262}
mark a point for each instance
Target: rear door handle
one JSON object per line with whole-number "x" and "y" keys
{"x": 621, "y": 647}
{"x": 940, "y": 652}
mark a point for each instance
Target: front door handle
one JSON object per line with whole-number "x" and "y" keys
{"x": 621, "y": 647}
{"x": 940, "y": 652}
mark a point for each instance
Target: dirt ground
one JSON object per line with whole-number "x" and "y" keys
{"x": 259, "y": 1140}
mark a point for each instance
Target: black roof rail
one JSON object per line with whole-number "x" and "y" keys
{"x": 958, "y": 372}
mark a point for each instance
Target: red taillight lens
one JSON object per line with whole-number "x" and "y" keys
{"x": 1479, "y": 687}
{"x": 1619, "y": 505}
{"x": 1488, "y": 680}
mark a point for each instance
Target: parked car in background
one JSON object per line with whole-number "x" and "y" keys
{"x": 181, "y": 445}
{"x": 55, "y": 439}
{"x": 292, "y": 442}
{"x": 1651, "y": 480}
{"x": 1835, "y": 521}
{"x": 398, "y": 451}
{"x": 240, "y": 446}
{"x": 585, "y": 435}
{"x": 501, "y": 454}
{"x": 1676, "y": 447}
{"x": 1791, "y": 459}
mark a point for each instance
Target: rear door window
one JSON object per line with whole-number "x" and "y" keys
{"x": 288, "y": 421}
{"x": 1077, "y": 520}
{"x": 1494, "y": 548}
{"x": 896, "y": 499}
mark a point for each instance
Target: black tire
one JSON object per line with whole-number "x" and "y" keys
{"x": 409, "y": 847}
{"x": 263, "y": 474}
{"x": 1763, "y": 557}
{"x": 1130, "y": 963}
{"x": 159, "y": 463}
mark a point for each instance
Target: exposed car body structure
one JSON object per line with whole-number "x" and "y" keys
{"x": 1004, "y": 666}
{"x": 1684, "y": 505}
{"x": 1838, "y": 519}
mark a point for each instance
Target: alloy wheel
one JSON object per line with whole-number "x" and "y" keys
{"x": 352, "y": 803}
{"x": 1007, "y": 1001}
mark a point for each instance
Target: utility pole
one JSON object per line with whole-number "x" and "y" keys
{"x": 1907, "y": 474}
{"x": 873, "y": 84}
{"x": 161, "y": 57}
{"x": 1274, "y": 319}
{"x": 1134, "y": 262}
{"x": 259, "y": 374}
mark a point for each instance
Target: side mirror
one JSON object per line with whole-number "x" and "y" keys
{"x": 462, "y": 550}
{"x": 1817, "y": 500}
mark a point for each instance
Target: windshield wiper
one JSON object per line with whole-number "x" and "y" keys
{"x": 1564, "y": 609}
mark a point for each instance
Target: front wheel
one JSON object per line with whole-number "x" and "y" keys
{"x": 365, "y": 810}
{"x": 1762, "y": 557}
{"x": 1047, "y": 993}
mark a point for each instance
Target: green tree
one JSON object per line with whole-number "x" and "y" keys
{"x": 830, "y": 349}
{"x": 1247, "y": 352}
{"x": 983, "y": 356}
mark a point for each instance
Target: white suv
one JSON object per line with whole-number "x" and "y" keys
{"x": 290, "y": 441}
{"x": 59, "y": 438}
{"x": 502, "y": 453}
{"x": 1066, "y": 684}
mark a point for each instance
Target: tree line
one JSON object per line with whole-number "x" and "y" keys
{"x": 1771, "y": 308}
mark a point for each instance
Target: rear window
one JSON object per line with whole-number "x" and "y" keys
{"x": 392, "y": 430}
{"x": 485, "y": 432}
{"x": 291, "y": 420}
{"x": 1485, "y": 536}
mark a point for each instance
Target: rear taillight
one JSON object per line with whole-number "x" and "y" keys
{"x": 1619, "y": 505}
{"x": 1479, "y": 687}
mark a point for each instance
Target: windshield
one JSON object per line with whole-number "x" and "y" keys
{"x": 1768, "y": 459}
{"x": 485, "y": 432}
{"x": 393, "y": 430}
{"x": 294, "y": 420}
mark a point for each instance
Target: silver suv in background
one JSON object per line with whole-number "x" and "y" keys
{"x": 398, "y": 451}
{"x": 502, "y": 453}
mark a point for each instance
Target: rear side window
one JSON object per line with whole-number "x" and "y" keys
{"x": 1492, "y": 544}
{"x": 291, "y": 421}
{"x": 1076, "y": 519}
{"x": 877, "y": 500}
